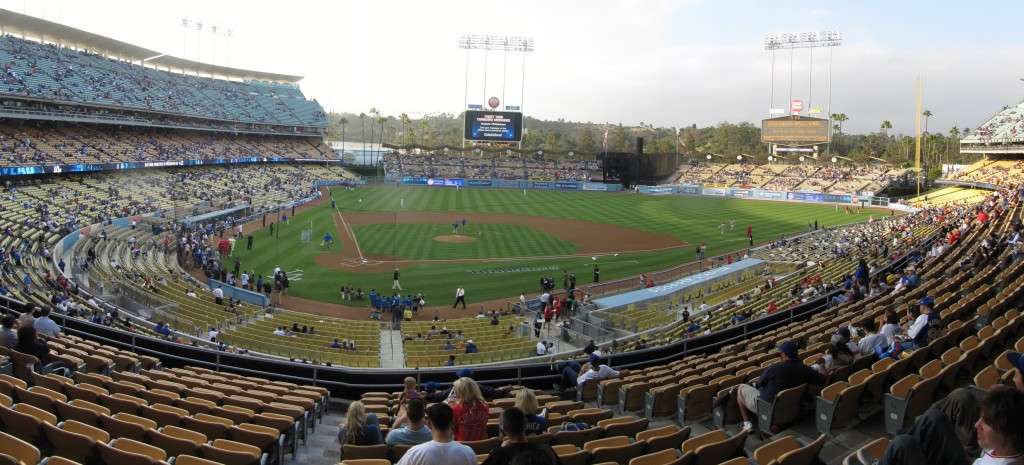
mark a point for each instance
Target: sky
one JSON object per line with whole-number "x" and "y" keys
{"x": 661, "y": 62}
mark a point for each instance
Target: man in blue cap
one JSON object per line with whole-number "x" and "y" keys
{"x": 573, "y": 373}
{"x": 926, "y": 321}
{"x": 788, "y": 373}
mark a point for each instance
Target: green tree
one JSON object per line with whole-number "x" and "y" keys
{"x": 585, "y": 143}
{"x": 886, "y": 126}
{"x": 927, "y": 114}
{"x": 840, "y": 118}
{"x": 618, "y": 140}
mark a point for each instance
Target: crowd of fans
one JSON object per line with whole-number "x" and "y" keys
{"x": 66, "y": 144}
{"x": 48, "y": 71}
{"x": 512, "y": 167}
{"x": 780, "y": 177}
{"x": 1005, "y": 126}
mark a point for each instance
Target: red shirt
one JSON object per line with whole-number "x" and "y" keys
{"x": 470, "y": 421}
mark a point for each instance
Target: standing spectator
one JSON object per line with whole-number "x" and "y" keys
{"x": 416, "y": 432}
{"x": 441, "y": 449}
{"x": 218, "y": 295}
{"x": 360, "y": 428}
{"x": 460, "y": 296}
{"x": 515, "y": 446}
{"x": 470, "y": 411}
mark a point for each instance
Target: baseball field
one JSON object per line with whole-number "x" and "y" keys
{"x": 497, "y": 243}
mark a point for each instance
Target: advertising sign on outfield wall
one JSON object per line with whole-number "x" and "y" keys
{"x": 715, "y": 191}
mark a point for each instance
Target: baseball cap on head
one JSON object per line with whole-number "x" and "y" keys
{"x": 926, "y": 301}
{"x": 1017, "y": 359}
{"x": 464, "y": 373}
{"x": 789, "y": 348}
{"x": 595, "y": 359}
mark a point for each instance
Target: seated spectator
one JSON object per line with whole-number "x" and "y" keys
{"x": 871, "y": 339}
{"x": 471, "y": 347}
{"x": 46, "y": 326}
{"x": 933, "y": 439}
{"x": 28, "y": 344}
{"x": 8, "y": 332}
{"x": 576, "y": 375}
{"x": 441, "y": 449}
{"x": 470, "y": 410}
{"x": 788, "y": 373}
{"x": 925, "y": 322}
{"x": 360, "y": 428}
{"x": 514, "y": 445}
{"x": 335, "y": 344}
{"x": 536, "y": 419}
{"x": 416, "y": 431}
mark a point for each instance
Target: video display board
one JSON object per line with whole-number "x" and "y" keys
{"x": 494, "y": 126}
{"x": 794, "y": 130}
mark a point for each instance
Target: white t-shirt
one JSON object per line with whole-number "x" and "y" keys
{"x": 434, "y": 453}
{"x": 542, "y": 349}
{"x": 218, "y": 292}
{"x": 987, "y": 459}
{"x": 603, "y": 372}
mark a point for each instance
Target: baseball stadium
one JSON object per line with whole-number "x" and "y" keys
{"x": 200, "y": 266}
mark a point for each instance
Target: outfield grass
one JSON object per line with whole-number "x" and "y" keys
{"x": 690, "y": 219}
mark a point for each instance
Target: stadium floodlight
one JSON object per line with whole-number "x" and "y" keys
{"x": 834, "y": 159}
{"x": 709, "y": 156}
{"x": 803, "y": 40}
{"x": 739, "y": 157}
{"x": 493, "y": 42}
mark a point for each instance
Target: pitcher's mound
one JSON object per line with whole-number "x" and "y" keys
{"x": 454, "y": 238}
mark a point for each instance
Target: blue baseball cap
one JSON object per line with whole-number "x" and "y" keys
{"x": 464, "y": 373}
{"x": 595, "y": 359}
{"x": 790, "y": 349}
{"x": 1017, "y": 360}
{"x": 926, "y": 301}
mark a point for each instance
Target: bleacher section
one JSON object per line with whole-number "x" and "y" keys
{"x": 948, "y": 195}
{"x": 534, "y": 167}
{"x": 783, "y": 177}
{"x": 991, "y": 171}
{"x": 41, "y": 143}
{"x": 1007, "y": 126}
{"x": 46, "y": 71}
{"x": 425, "y": 341}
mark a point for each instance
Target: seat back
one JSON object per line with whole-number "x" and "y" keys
{"x": 483, "y": 446}
{"x": 576, "y": 438}
{"x": 718, "y": 452}
{"x": 111, "y": 454}
{"x": 231, "y": 453}
{"x": 804, "y": 455}
{"x": 377, "y": 451}
{"x": 629, "y": 427}
{"x": 672, "y": 440}
{"x": 137, "y": 447}
{"x": 696, "y": 442}
{"x": 663, "y": 457}
{"x": 786, "y": 407}
{"x": 618, "y": 453}
{"x": 21, "y": 450}
{"x": 770, "y": 451}
{"x": 192, "y": 460}
{"x": 172, "y": 445}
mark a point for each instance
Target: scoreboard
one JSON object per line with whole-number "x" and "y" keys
{"x": 794, "y": 130}
{"x": 494, "y": 126}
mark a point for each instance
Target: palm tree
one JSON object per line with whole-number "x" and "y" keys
{"x": 343, "y": 122}
{"x": 927, "y": 114}
{"x": 886, "y": 126}
{"x": 840, "y": 118}
{"x": 362, "y": 121}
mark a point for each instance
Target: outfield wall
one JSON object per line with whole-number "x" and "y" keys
{"x": 507, "y": 184}
{"x": 762, "y": 194}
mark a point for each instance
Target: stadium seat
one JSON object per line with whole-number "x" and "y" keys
{"x": 20, "y": 450}
{"x": 714, "y": 447}
{"x": 176, "y": 441}
{"x": 623, "y": 426}
{"x": 908, "y": 398}
{"x": 617, "y": 449}
{"x": 662, "y": 457}
{"x": 837, "y": 404}
{"x": 569, "y": 454}
{"x": 74, "y": 440}
{"x": 666, "y": 437}
{"x": 232, "y": 453}
{"x": 350, "y": 451}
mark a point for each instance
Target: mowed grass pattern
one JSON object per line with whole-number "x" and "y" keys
{"x": 690, "y": 219}
{"x": 416, "y": 241}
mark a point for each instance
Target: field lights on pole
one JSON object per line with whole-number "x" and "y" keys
{"x": 788, "y": 40}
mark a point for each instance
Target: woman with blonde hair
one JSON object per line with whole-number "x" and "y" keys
{"x": 536, "y": 419}
{"x": 409, "y": 392}
{"x": 359, "y": 428}
{"x": 470, "y": 411}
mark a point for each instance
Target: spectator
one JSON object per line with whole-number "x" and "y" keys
{"x": 933, "y": 439}
{"x": 335, "y": 344}
{"x": 28, "y": 344}
{"x": 162, "y": 329}
{"x": 788, "y": 373}
{"x": 360, "y": 428}
{"x": 513, "y": 429}
{"x": 574, "y": 374}
{"x": 536, "y": 419}
{"x": 470, "y": 411}
{"x": 416, "y": 432}
{"x": 8, "y": 332}
{"x": 441, "y": 449}
{"x": 46, "y": 326}
{"x": 471, "y": 347}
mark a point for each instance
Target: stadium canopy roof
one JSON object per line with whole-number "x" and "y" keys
{"x": 17, "y": 24}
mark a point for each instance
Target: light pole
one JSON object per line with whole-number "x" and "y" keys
{"x": 487, "y": 43}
